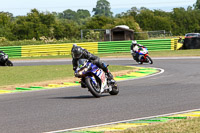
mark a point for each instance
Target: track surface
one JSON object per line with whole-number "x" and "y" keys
{"x": 177, "y": 89}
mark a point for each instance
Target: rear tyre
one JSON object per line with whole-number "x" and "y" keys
{"x": 149, "y": 60}
{"x": 115, "y": 90}
{"x": 8, "y": 63}
{"x": 140, "y": 62}
{"x": 95, "y": 91}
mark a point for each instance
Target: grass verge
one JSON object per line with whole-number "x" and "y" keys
{"x": 190, "y": 125}
{"x": 30, "y": 74}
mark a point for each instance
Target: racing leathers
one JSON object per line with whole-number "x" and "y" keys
{"x": 94, "y": 59}
{"x": 134, "y": 51}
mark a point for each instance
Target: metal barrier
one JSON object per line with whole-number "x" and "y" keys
{"x": 12, "y": 51}
{"x": 93, "y": 47}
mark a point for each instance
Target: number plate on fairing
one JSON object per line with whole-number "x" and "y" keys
{"x": 100, "y": 73}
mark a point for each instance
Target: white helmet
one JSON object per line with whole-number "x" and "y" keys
{"x": 134, "y": 42}
{"x": 74, "y": 45}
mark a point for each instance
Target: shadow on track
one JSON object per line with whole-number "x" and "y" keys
{"x": 78, "y": 97}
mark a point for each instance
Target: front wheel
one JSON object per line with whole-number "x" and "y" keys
{"x": 8, "y": 63}
{"x": 95, "y": 90}
{"x": 149, "y": 60}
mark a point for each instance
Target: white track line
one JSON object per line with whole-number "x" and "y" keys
{"x": 65, "y": 130}
{"x": 161, "y": 71}
{"x": 120, "y": 58}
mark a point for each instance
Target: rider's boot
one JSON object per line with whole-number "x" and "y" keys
{"x": 137, "y": 57}
{"x": 83, "y": 85}
{"x": 105, "y": 69}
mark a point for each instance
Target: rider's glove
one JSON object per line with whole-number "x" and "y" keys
{"x": 75, "y": 74}
{"x": 74, "y": 68}
{"x": 132, "y": 52}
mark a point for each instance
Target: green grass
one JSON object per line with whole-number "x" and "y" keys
{"x": 178, "y": 126}
{"x": 30, "y": 74}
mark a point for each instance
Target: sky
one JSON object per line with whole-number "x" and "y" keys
{"x": 22, "y": 7}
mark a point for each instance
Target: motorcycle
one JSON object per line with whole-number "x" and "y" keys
{"x": 144, "y": 56}
{"x": 4, "y": 59}
{"x": 95, "y": 79}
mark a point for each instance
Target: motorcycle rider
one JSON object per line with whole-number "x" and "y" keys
{"x": 78, "y": 52}
{"x": 135, "y": 47}
{"x": 1, "y": 53}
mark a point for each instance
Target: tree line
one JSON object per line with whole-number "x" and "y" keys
{"x": 69, "y": 23}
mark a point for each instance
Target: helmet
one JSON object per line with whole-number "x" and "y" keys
{"x": 134, "y": 42}
{"x": 77, "y": 52}
{"x": 74, "y": 45}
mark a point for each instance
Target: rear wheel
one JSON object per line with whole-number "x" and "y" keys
{"x": 115, "y": 90}
{"x": 8, "y": 63}
{"x": 95, "y": 90}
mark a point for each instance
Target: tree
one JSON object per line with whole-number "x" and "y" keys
{"x": 197, "y": 5}
{"x": 6, "y": 22}
{"x": 34, "y": 25}
{"x": 133, "y": 12}
{"x": 82, "y": 14}
{"x": 98, "y": 22}
{"x": 68, "y": 14}
{"x": 102, "y": 8}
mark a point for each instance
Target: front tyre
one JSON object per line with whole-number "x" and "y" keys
{"x": 8, "y": 63}
{"x": 149, "y": 60}
{"x": 94, "y": 90}
{"x": 115, "y": 90}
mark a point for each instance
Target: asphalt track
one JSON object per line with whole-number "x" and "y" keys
{"x": 177, "y": 89}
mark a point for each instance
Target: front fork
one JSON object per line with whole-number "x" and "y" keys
{"x": 93, "y": 80}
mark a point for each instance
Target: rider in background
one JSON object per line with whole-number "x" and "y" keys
{"x": 135, "y": 47}
{"x": 78, "y": 52}
{"x": 180, "y": 40}
{"x": 1, "y": 53}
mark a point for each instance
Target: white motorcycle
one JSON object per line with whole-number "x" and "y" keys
{"x": 144, "y": 56}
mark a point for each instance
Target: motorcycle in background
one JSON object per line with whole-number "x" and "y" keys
{"x": 144, "y": 56}
{"x": 95, "y": 79}
{"x": 4, "y": 59}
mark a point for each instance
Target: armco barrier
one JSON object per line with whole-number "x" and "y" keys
{"x": 124, "y": 46}
{"x": 55, "y": 49}
{"x": 114, "y": 47}
{"x": 12, "y": 51}
{"x": 155, "y": 45}
{"x": 93, "y": 47}
{"x": 45, "y": 50}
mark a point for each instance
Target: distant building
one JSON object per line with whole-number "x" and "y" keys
{"x": 120, "y": 33}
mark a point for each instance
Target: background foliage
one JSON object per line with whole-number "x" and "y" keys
{"x": 67, "y": 25}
